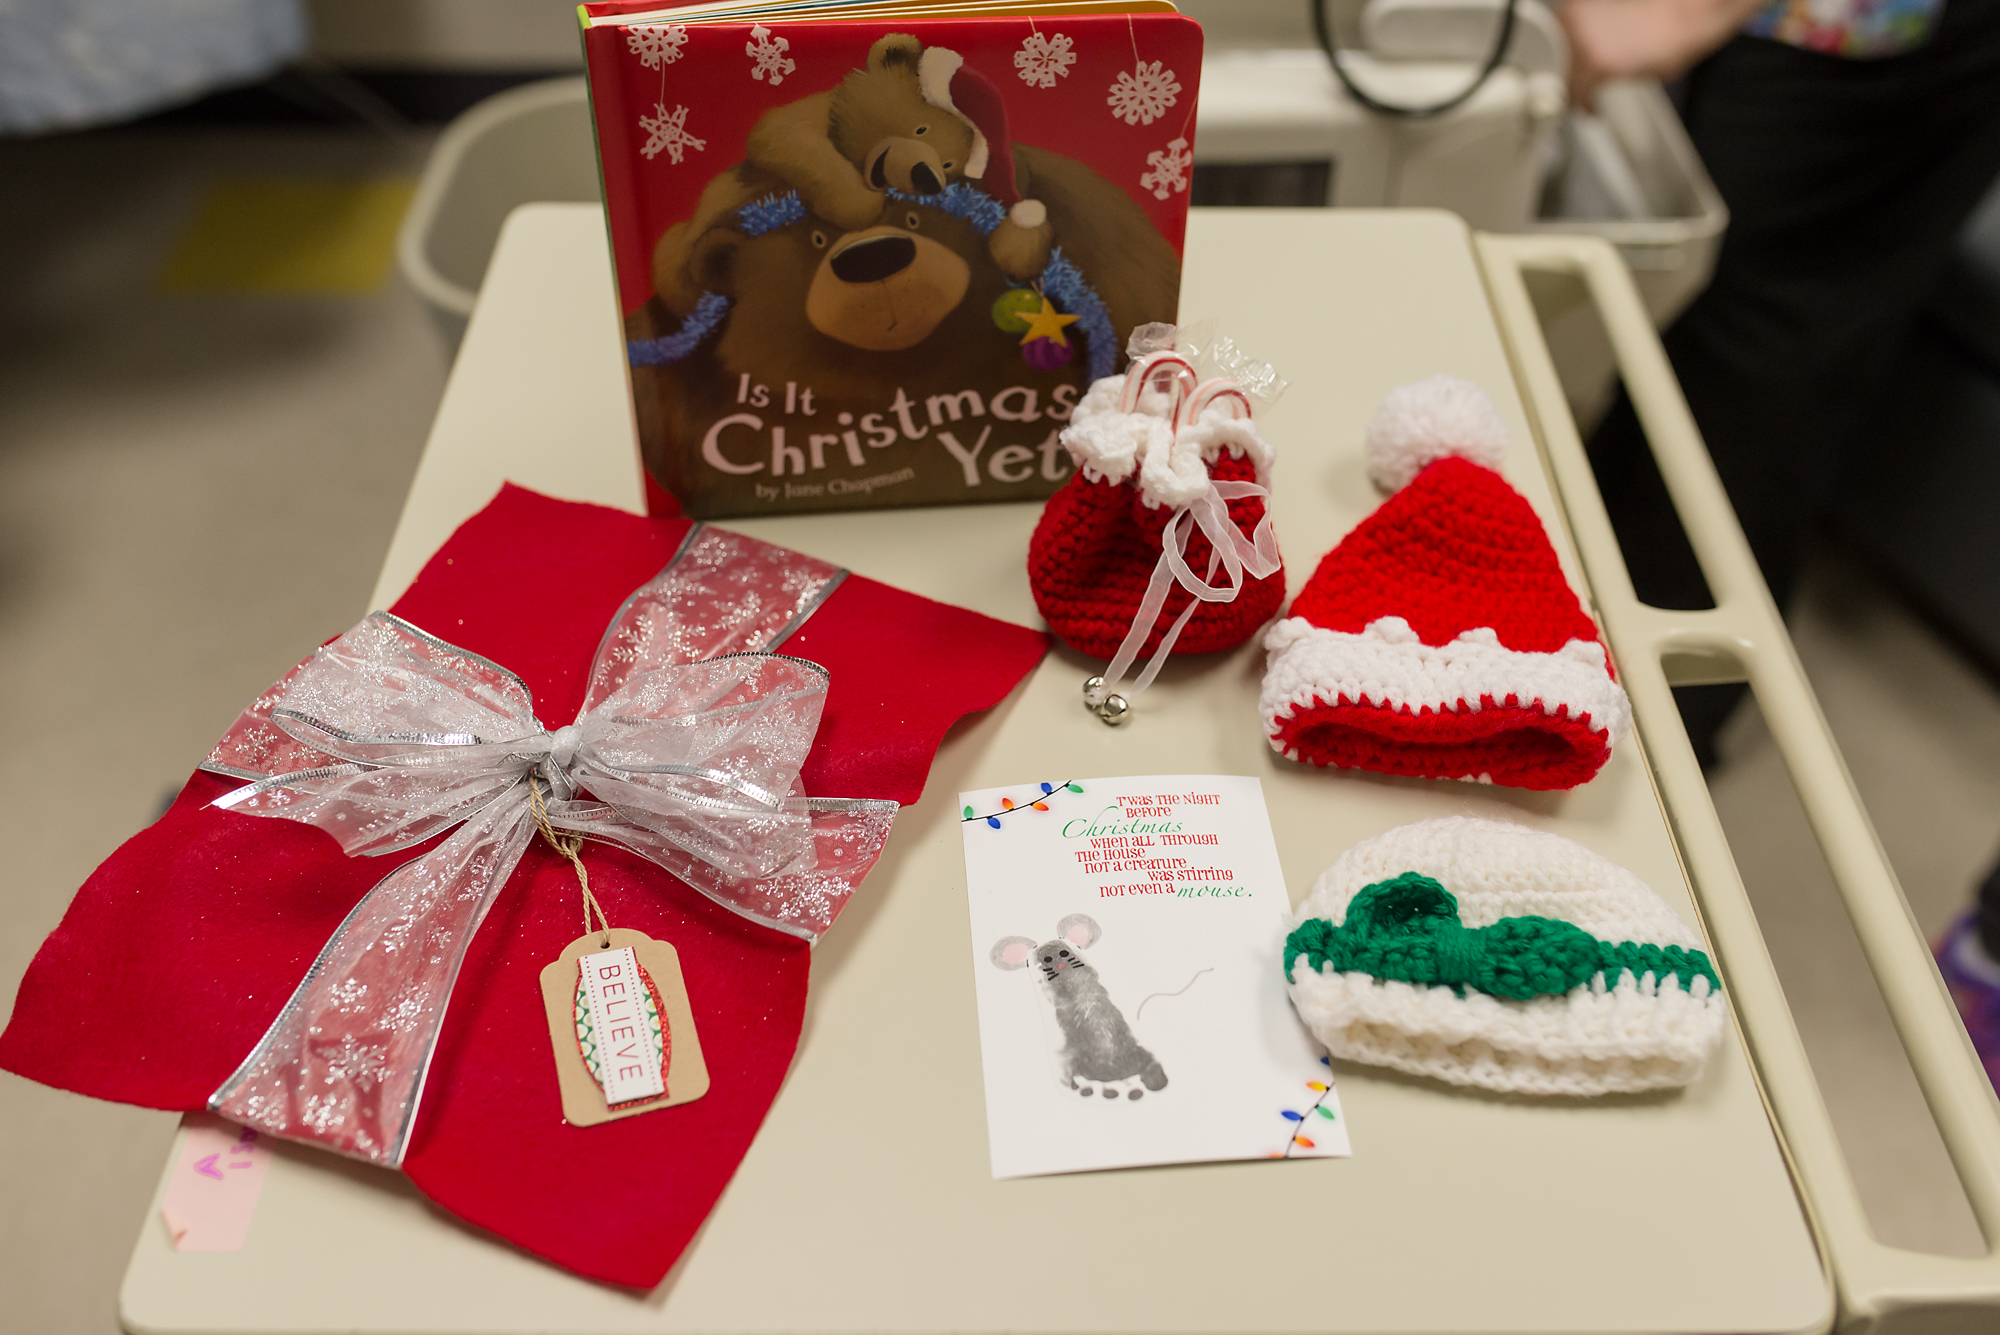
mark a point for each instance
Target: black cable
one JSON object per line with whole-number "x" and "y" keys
{"x": 1324, "y": 31}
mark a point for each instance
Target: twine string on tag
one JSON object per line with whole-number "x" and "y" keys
{"x": 571, "y": 847}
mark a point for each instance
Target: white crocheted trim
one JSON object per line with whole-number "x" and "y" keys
{"x": 1388, "y": 666}
{"x": 1610, "y": 1036}
{"x": 1418, "y": 424}
{"x": 1630, "y": 1038}
{"x": 1172, "y": 466}
{"x": 1105, "y": 443}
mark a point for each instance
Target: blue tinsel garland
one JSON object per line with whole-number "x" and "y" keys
{"x": 770, "y": 213}
{"x": 967, "y": 203}
{"x": 706, "y": 318}
{"x": 1063, "y": 283}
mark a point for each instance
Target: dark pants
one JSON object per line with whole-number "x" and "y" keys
{"x": 1847, "y": 182}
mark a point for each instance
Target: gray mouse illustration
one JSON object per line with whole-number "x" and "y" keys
{"x": 1099, "y": 1053}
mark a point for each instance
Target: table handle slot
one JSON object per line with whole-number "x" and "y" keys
{"x": 1880, "y": 1289}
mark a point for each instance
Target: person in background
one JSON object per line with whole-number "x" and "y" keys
{"x": 1967, "y": 957}
{"x": 1851, "y": 140}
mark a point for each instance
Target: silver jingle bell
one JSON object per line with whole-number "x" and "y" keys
{"x": 1114, "y": 709}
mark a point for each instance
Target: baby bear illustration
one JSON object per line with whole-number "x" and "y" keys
{"x": 1099, "y": 1053}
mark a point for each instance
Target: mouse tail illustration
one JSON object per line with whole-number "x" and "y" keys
{"x": 1142, "y": 1007}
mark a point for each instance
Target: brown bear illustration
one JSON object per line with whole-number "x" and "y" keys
{"x": 915, "y": 119}
{"x": 1106, "y": 235}
{"x": 844, "y": 358}
{"x": 842, "y": 148}
{"x": 786, "y": 349}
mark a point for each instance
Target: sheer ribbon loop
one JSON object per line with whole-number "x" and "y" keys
{"x": 704, "y": 754}
{"x": 1164, "y": 383}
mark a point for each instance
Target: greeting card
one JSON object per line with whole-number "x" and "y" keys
{"x": 1126, "y": 952}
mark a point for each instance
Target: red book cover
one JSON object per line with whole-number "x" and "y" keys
{"x": 875, "y": 262}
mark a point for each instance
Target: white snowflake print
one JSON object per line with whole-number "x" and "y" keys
{"x": 768, "y": 53}
{"x": 1170, "y": 168}
{"x": 364, "y": 1064}
{"x": 668, "y": 130}
{"x": 1143, "y": 94}
{"x": 657, "y": 46}
{"x": 1042, "y": 60}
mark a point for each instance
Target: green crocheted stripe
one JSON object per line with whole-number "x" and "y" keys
{"x": 1407, "y": 930}
{"x": 1642, "y": 959}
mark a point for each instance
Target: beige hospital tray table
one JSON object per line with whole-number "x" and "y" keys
{"x": 866, "y": 1204}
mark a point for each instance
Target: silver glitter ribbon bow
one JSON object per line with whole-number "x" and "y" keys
{"x": 687, "y": 751}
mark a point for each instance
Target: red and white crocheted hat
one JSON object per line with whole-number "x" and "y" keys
{"x": 1440, "y": 638}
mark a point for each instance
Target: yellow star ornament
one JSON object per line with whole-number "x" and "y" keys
{"x": 1047, "y": 323}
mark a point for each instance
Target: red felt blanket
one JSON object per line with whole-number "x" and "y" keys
{"x": 191, "y": 936}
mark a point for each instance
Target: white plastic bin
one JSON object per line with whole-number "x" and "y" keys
{"x": 1631, "y": 176}
{"x": 528, "y": 144}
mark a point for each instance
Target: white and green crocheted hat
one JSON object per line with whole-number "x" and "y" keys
{"x": 1485, "y": 953}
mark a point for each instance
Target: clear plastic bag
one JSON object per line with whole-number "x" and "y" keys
{"x": 1212, "y": 355}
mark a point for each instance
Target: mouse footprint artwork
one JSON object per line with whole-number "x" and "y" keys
{"x": 1099, "y": 1054}
{"x": 1153, "y": 1027}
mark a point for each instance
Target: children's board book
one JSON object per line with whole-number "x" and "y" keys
{"x": 872, "y": 252}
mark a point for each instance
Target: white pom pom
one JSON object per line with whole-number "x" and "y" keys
{"x": 1029, "y": 213}
{"x": 1418, "y": 424}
